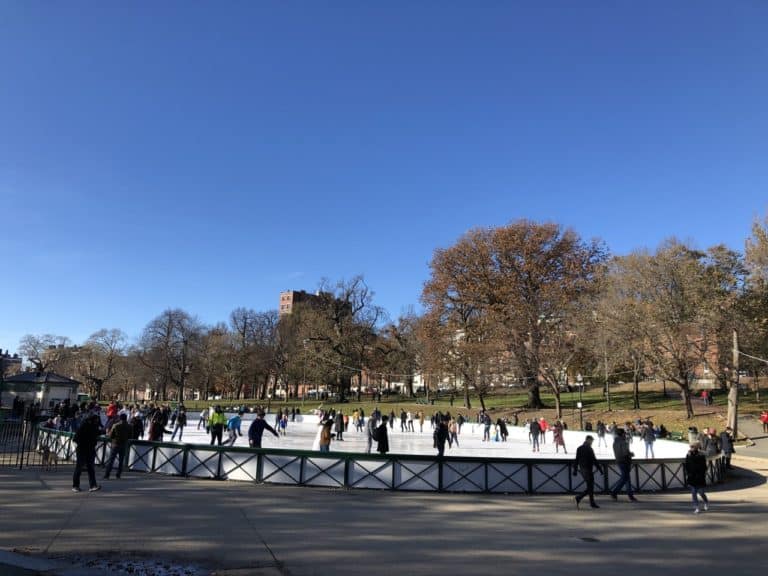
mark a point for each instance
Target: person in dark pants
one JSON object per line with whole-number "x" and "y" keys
{"x": 339, "y": 425}
{"x": 726, "y": 445}
{"x": 119, "y": 435}
{"x": 86, "y": 437}
{"x": 256, "y": 431}
{"x": 624, "y": 461}
{"x": 217, "y": 421}
{"x": 382, "y": 437}
{"x": 696, "y": 476}
{"x": 441, "y": 435}
{"x": 585, "y": 463}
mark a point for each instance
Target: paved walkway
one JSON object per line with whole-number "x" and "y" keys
{"x": 246, "y": 529}
{"x": 751, "y": 427}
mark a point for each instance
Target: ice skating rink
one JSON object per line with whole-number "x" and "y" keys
{"x": 302, "y": 435}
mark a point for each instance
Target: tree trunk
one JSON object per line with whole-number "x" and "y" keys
{"x": 733, "y": 390}
{"x": 534, "y": 397}
{"x": 558, "y": 406}
{"x": 636, "y": 391}
{"x": 482, "y": 401}
{"x": 686, "y": 392}
{"x": 467, "y": 403}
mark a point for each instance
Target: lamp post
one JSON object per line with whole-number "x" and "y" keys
{"x": 305, "y": 342}
{"x": 605, "y": 356}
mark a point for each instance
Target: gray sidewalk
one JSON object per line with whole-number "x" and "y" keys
{"x": 752, "y": 428}
{"x": 246, "y": 529}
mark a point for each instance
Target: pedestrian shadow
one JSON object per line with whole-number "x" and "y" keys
{"x": 739, "y": 479}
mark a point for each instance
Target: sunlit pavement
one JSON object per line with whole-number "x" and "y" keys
{"x": 267, "y": 529}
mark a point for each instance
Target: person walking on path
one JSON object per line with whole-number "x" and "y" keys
{"x": 119, "y": 435}
{"x": 764, "y": 420}
{"x": 181, "y": 421}
{"x": 624, "y": 460}
{"x": 696, "y": 476}
{"x": 86, "y": 437}
{"x": 256, "y": 430}
{"x": 382, "y": 437}
{"x": 585, "y": 464}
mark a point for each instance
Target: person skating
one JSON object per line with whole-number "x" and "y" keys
{"x": 256, "y": 430}
{"x": 216, "y": 422}
{"x": 558, "y": 436}
{"x": 181, "y": 422}
{"x": 534, "y": 431}
{"x": 382, "y": 437}
{"x": 441, "y": 435}
{"x": 370, "y": 432}
{"x": 325, "y": 435}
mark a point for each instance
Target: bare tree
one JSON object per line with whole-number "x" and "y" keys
{"x": 99, "y": 359}
{"x": 46, "y": 351}
{"x": 167, "y": 347}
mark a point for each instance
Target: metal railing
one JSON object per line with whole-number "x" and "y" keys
{"x": 373, "y": 471}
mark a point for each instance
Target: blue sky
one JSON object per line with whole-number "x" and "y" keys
{"x": 207, "y": 155}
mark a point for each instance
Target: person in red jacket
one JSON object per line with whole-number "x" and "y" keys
{"x": 764, "y": 420}
{"x": 544, "y": 425}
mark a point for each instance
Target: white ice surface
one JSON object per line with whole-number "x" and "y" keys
{"x": 301, "y": 435}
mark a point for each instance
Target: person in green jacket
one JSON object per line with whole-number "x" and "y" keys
{"x": 217, "y": 421}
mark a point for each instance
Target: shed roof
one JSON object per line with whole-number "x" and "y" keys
{"x": 41, "y": 378}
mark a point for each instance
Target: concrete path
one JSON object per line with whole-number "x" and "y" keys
{"x": 246, "y": 529}
{"x": 752, "y": 428}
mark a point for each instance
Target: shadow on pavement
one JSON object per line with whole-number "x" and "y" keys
{"x": 739, "y": 479}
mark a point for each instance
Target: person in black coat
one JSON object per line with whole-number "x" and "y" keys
{"x": 585, "y": 463}
{"x": 339, "y": 427}
{"x": 86, "y": 437}
{"x": 381, "y": 436}
{"x": 440, "y": 436}
{"x": 696, "y": 476}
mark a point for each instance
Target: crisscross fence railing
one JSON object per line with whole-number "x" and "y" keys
{"x": 373, "y": 471}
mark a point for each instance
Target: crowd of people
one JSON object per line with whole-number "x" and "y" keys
{"x": 122, "y": 423}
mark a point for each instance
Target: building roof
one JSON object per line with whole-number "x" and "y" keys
{"x": 41, "y": 378}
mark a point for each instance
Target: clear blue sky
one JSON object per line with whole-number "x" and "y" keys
{"x": 207, "y": 155}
